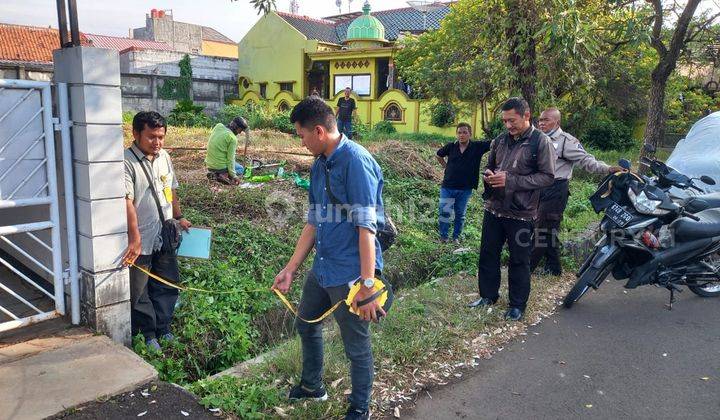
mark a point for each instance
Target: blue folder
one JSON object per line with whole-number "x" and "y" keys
{"x": 196, "y": 243}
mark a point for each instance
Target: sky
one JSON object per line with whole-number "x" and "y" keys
{"x": 233, "y": 19}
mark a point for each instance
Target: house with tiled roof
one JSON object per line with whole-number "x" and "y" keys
{"x": 286, "y": 57}
{"x": 190, "y": 38}
{"x": 26, "y": 51}
{"x": 121, "y": 44}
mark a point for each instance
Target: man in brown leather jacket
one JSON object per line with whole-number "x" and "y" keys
{"x": 521, "y": 162}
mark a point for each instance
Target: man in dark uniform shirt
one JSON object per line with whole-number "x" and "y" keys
{"x": 345, "y": 110}
{"x": 462, "y": 175}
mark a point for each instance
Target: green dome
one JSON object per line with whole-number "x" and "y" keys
{"x": 366, "y": 27}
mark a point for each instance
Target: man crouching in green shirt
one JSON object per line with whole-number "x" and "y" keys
{"x": 220, "y": 159}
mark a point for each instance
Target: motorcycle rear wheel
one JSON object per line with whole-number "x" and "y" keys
{"x": 590, "y": 276}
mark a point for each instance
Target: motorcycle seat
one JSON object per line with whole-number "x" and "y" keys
{"x": 699, "y": 203}
{"x": 687, "y": 229}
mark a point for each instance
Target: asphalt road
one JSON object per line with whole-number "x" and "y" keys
{"x": 614, "y": 355}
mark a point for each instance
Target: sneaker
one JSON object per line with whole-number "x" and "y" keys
{"x": 514, "y": 314}
{"x": 444, "y": 240}
{"x": 481, "y": 303}
{"x": 300, "y": 392}
{"x": 456, "y": 241}
{"x": 357, "y": 414}
{"x": 167, "y": 337}
{"x": 153, "y": 344}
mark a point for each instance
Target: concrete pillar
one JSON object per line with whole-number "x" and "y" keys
{"x": 93, "y": 76}
{"x": 154, "y": 90}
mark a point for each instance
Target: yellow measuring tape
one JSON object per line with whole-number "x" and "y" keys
{"x": 378, "y": 286}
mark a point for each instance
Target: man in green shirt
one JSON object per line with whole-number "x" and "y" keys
{"x": 220, "y": 159}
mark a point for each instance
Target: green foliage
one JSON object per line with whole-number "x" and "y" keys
{"x": 179, "y": 87}
{"x": 361, "y": 130}
{"x": 248, "y": 398}
{"x": 128, "y": 116}
{"x": 258, "y": 117}
{"x": 384, "y": 127}
{"x": 443, "y": 114}
{"x": 187, "y": 114}
{"x": 608, "y": 134}
{"x": 686, "y": 103}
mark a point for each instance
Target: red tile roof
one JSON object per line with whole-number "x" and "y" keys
{"x": 29, "y": 43}
{"x": 120, "y": 44}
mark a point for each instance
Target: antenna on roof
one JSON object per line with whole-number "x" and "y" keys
{"x": 294, "y": 7}
{"x": 338, "y": 3}
{"x": 425, "y": 6}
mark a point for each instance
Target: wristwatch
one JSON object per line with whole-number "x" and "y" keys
{"x": 369, "y": 283}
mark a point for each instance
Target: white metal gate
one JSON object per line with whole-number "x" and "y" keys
{"x": 30, "y": 229}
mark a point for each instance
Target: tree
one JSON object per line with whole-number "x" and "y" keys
{"x": 263, "y": 6}
{"x": 684, "y": 32}
{"x": 541, "y": 50}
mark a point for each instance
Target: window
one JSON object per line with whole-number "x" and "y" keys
{"x": 393, "y": 112}
{"x": 359, "y": 83}
{"x": 245, "y": 83}
{"x": 287, "y": 86}
{"x": 283, "y": 107}
{"x": 263, "y": 90}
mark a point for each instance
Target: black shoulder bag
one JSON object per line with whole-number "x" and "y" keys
{"x": 171, "y": 232}
{"x": 387, "y": 232}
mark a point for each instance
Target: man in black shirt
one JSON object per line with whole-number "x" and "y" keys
{"x": 345, "y": 110}
{"x": 462, "y": 174}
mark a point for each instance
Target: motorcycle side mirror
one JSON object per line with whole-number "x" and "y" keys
{"x": 625, "y": 164}
{"x": 649, "y": 148}
{"x": 707, "y": 180}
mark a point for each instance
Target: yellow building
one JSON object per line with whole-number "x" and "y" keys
{"x": 286, "y": 57}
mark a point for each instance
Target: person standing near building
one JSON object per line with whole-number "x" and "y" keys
{"x": 150, "y": 188}
{"x": 462, "y": 176}
{"x": 346, "y": 251}
{"x": 554, "y": 198}
{"x": 344, "y": 113}
{"x": 521, "y": 162}
{"x": 221, "y": 148}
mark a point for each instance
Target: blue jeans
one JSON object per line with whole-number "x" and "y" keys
{"x": 345, "y": 127}
{"x": 239, "y": 169}
{"x": 355, "y": 335}
{"x": 452, "y": 201}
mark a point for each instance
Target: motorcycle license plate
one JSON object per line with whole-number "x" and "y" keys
{"x": 618, "y": 215}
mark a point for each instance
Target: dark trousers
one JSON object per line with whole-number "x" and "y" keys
{"x": 547, "y": 245}
{"x": 553, "y": 202}
{"x": 153, "y": 303}
{"x": 345, "y": 127}
{"x": 355, "y": 334}
{"x": 518, "y": 234}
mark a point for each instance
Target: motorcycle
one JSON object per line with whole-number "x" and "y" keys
{"x": 652, "y": 237}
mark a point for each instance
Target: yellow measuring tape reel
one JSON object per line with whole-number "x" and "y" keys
{"x": 380, "y": 292}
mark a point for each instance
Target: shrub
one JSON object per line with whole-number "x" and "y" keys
{"x": 607, "y": 134}
{"x": 187, "y": 114}
{"x": 230, "y": 111}
{"x": 281, "y": 122}
{"x": 258, "y": 117}
{"x": 128, "y": 116}
{"x": 384, "y": 127}
{"x": 361, "y": 130}
{"x": 443, "y": 114}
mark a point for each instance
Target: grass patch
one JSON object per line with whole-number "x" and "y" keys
{"x": 453, "y": 338}
{"x": 250, "y": 245}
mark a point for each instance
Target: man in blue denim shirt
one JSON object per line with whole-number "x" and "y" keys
{"x": 346, "y": 250}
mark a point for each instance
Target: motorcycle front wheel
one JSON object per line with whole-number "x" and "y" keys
{"x": 590, "y": 276}
{"x": 708, "y": 290}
